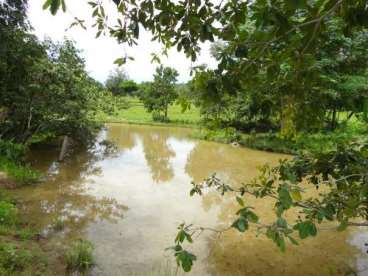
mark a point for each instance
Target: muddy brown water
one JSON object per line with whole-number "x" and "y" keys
{"x": 128, "y": 201}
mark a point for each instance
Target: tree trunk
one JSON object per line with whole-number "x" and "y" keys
{"x": 166, "y": 113}
{"x": 287, "y": 123}
{"x": 64, "y": 148}
{"x": 333, "y": 120}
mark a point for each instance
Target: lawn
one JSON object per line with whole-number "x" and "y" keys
{"x": 135, "y": 113}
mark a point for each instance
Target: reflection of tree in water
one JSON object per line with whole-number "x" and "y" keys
{"x": 156, "y": 149}
{"x": 158, "y": 153}
{"x": 65, "y": 195}
{"x": 234, "y": 253}
{"x": 122, "y": 137}
{"x": 234, "y": 164}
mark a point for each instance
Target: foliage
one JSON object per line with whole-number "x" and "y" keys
{"x": 79, "y": 256}
{"x": 13, "y": 259}
{"x": 44, "y": 86}
{"x": 11, "y": 162}
{"x": 303, "y": 141}
{"x": 128, "y": 87}
{"x": 160, "y": 93}
{"x": 12, "y": 151}
{"x": 185, "y": 24}
{"x": 183, "y": 257}
{"x": 340, "y": 175}
{"x": 114, "y": 81}
{"x": 308, "y": 58}
{"x": 225, "y": 135}
{"x": 21, "y": 174}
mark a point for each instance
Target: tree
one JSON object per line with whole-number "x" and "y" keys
{"x": 114, "y": 81}
{"x": 160, "y": 93}
{"x": 45, "y": 90}
{"x": 128, "y": 87}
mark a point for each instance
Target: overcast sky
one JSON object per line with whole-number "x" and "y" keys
{"x": 100, "y": 53}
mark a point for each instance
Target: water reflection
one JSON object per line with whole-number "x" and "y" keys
{"x": 112, "y": 198}
{"x": 158, "y": 152}
{"x": 64, "y": 195}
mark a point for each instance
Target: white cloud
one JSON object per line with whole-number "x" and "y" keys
{"x": 100, "y": 53}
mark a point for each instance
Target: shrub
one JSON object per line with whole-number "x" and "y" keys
{"x": 80, "y": 256}
{"x": 12, "y": 151}
{"x": 157, "y": 117}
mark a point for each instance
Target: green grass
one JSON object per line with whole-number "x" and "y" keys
{"x": 59, "y": 224}
{"x": 136, "y": 114}
{"x": 323, "y": 140}
{"x": 21, "y": 174}
{"x": 20, "y": 253}
{"x": 319, "y": 141}
{"x": 79, "y": 257}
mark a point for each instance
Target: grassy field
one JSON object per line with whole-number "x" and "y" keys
{"x": 135, "y": 113}
{"x": 322, "y": 140}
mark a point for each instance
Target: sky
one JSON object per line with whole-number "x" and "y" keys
{"x": 101, "y": 53}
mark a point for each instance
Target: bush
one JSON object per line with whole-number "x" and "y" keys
{"x": 158, "y": 117}
{"x": 226, "y": 135}
{"x": 80, "y": 256}
{"x": 12, "y": 151}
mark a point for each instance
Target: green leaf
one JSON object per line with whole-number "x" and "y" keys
{"x": 180, "y": 236}
{"x": 306, "y": 229}
{"x": 280, "y": 242}
{"x": 293, "y": 241}
{"x": 312, "y": 229}
{"x": 252, "y": 217}
{"x": 241, "y": 224}
{"x": 189, "y": 237}
{"x": 120, "y": 61}
{"x": 47, "y": 4}
{"x": 186, "y": 260}
{"x": 240, "y": 201}
{"x": 281, "y": 222}
{"x": 54, "y": 6}
{"x": 285, "y": 198}
{"x": 63, "y": 6}
{"x": 296, "y": 195}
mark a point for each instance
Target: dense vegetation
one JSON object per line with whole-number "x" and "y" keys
{"x": 290, "y": 66}
{"x": 45, "y": 93}
{"x": 294, "y": 70}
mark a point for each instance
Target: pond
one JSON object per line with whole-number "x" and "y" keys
{"x": 129, "y": 199}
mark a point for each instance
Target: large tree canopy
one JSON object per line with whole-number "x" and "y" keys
{"x": 44, "y": 87}
{"x": 186, "y": 23}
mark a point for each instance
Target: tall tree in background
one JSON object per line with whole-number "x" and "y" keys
{"x": 115, "y": 80}
{"x": 161, "y": 93}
